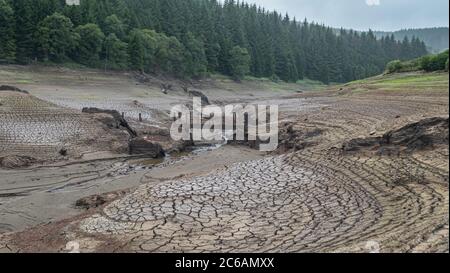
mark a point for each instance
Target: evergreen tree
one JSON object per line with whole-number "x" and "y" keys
{"x": 191, "y": 37}
{"x": 25, "y": 28}
{"x": 136, "y": 50}
{"x": 115, "y": 53}
{"x": 7, "y": 39}
{"x": 239, "y": 62}
{"x": 170, "y": 56}
{"x": 196, "y": 62}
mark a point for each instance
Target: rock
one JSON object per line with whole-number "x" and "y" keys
{"x": 415, "y": 136}
{"x": 98, "y": 200}
{"x": 360, "y": 143}
{"x": 117, "y": 121}
{"x": 12, "y": 88}
{"x": 166, "y": 87}
{"x": 141, "y": 146}
{"x": 181, "y": 146}
{"x": 63, "y": 152}
{"x": 204, "y": 98}
{"x": 90, "y": 202}
{"x": 16, "y": 161}
{"x": 420, "y": 135}
{"x": 291, "y": 138}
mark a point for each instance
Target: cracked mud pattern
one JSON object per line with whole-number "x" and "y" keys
{"x": 300, "y": 202}
{"x": 312, "y": 199}
{"x": 33, "y": 127}
{"x": 29, "y": 125}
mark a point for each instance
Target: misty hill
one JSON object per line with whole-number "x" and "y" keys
{"x": 436, "y": 39}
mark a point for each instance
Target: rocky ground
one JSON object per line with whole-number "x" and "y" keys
{"x": 359, "y": 165}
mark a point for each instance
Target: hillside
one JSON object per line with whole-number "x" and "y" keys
{"x": 436, "y": 39}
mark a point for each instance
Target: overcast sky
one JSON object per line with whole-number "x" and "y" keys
{"x": 364, "y": 14}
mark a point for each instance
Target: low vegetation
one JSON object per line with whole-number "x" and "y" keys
{"x": 408, "y": 82}
{"x": 429, "y": 63}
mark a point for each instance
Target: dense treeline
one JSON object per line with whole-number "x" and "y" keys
{"x": 429, "y": 63}
{"x": 436, "y": 38}
{"x": 190, "y": 38}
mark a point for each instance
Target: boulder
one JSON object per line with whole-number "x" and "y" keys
{"x": 12, "y": 88}
{"x": 412, "y": 137}
{"x": 141, "y": 146}
{"x": 199, "y": 94}
{"x": 118, "y": 120}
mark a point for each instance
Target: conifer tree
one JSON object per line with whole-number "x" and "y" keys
{"x": 115, "y": 53}
{"x": 7, "y": 39}
{"x": 189, "y": 37}
{"x": 25, "y": 28}
{"x": 239, "y": 62}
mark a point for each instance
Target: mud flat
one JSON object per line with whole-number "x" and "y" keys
{"x": 330, "y": 187}
{"x": 43, "y": 194}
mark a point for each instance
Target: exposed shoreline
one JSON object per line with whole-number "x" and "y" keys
{"x": 331, "y": 187}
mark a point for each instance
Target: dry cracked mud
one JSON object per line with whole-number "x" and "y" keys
{"x": 309, "y": 196}
{"x": 34, "y": 128}
{"x": 300, "y": 202}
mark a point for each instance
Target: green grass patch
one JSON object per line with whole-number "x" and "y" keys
{"x": 402, "y": 82}
{"x": 24, "y": 81}
{"x": 420, "y": 79}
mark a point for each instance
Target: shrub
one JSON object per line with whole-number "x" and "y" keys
{"x": 398, "y": 66}
{"x": 274, "y": 78}
{"x": 394, "y": 66}
{"x": 425, "y": 63}
{"x": 434, "y": 62}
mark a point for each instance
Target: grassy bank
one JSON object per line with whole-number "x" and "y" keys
{"x": 412, "y": 81}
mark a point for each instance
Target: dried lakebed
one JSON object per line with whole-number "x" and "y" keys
{"x": 46, "y": 194}
{"x": 335, "y": 186}
{"x": 302, "y": 202}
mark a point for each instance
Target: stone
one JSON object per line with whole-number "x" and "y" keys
{"x": 141, "y": 146}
